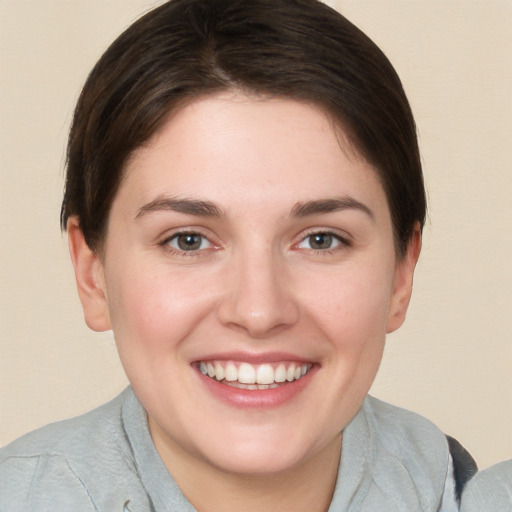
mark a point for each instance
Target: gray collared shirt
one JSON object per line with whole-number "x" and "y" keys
{"x": 105, "y": 461}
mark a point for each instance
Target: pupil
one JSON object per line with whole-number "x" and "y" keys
{"x": 189, "y": 242}
{"x": 321, "y": 241}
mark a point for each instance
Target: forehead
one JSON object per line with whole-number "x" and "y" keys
{"x": 235, "y": 149}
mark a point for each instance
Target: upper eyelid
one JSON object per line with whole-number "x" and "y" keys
{"x": 172, "y": 233}
{"x": 171, "y": 250}
{"x": 341, "y": 235}
{"x": 177, "y": 235}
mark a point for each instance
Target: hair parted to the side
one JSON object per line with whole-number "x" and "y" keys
{"x": 300, "y": 49}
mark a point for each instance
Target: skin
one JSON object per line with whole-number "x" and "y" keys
{"x": 256, "y": 286}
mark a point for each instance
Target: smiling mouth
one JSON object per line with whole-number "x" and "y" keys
{"x": 253, "y": 377}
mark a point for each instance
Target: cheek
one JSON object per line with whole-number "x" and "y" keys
{"x": 354, "y": 307}
{"x": 136, "y": 307}
{"x": 154, "y": 308}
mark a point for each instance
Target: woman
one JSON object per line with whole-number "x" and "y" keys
{"x": 244, "y": 203}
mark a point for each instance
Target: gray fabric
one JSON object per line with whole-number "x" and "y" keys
{"x": 490, "y": 490}
{"x": 105, "y": 461}
{"x": 393, "y": 460}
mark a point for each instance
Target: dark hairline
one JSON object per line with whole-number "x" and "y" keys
{"x": 361, "y": 93}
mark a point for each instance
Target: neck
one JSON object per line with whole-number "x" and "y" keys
{"x": 307, "y": 487}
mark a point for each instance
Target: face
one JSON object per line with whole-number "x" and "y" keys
{"x": 249, "y": 276}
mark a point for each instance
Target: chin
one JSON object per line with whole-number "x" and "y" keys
{"x": 256, "y": 462}
{"x": 253, "y": 453}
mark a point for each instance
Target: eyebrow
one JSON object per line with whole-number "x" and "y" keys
{"x": 180, "y": 205}
{"x": 203, "y": 208}
{"x": 315, "y": 207}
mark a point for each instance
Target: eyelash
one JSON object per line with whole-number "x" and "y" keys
{"x": 341, "y": 243}
{"x": 166, "y": 243}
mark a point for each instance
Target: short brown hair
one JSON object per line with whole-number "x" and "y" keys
{"x": 300, "y": 49}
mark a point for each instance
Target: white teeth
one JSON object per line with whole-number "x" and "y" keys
{"x": 280, "y": 374}
{"x": 265, "y": 374}
{"x": 231, "y": 372}
{"x": 219, "y": 371}
{"x": 247, "y": 376}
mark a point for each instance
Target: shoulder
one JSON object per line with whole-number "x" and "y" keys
{"x": 490, "y": 490}
{"x": 47, "y": 469}
{"x": 403, "y": 431}
{"x": 41, "y": 482}
{"x": 68, "y": 437}
{"x": 409, "y": 456}
{"x": 411, "y": 441}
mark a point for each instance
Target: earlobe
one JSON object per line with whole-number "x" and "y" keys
{"x": 89, "y": 278}
{"x": 403, "y": 282}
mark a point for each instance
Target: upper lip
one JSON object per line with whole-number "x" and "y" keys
{"x": 254, "y": 357}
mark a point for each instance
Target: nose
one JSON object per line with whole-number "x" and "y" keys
{"x": 258, "y": 298}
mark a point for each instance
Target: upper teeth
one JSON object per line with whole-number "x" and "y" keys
{"x": 246, "y": 373}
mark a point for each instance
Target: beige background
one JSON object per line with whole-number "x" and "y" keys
{"x": 451, "y": 362}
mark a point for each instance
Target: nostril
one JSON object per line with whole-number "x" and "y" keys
{"x": 258, "y": 318}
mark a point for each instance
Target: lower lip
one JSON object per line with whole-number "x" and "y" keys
{"x": 257, "y": 398}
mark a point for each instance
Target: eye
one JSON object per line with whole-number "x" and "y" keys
{"x": 188, "y": 242}
{"x": 322, "y": 241}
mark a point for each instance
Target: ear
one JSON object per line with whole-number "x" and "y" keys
{"x": 404, "y": 273}
{"x": 90, "y": 279}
